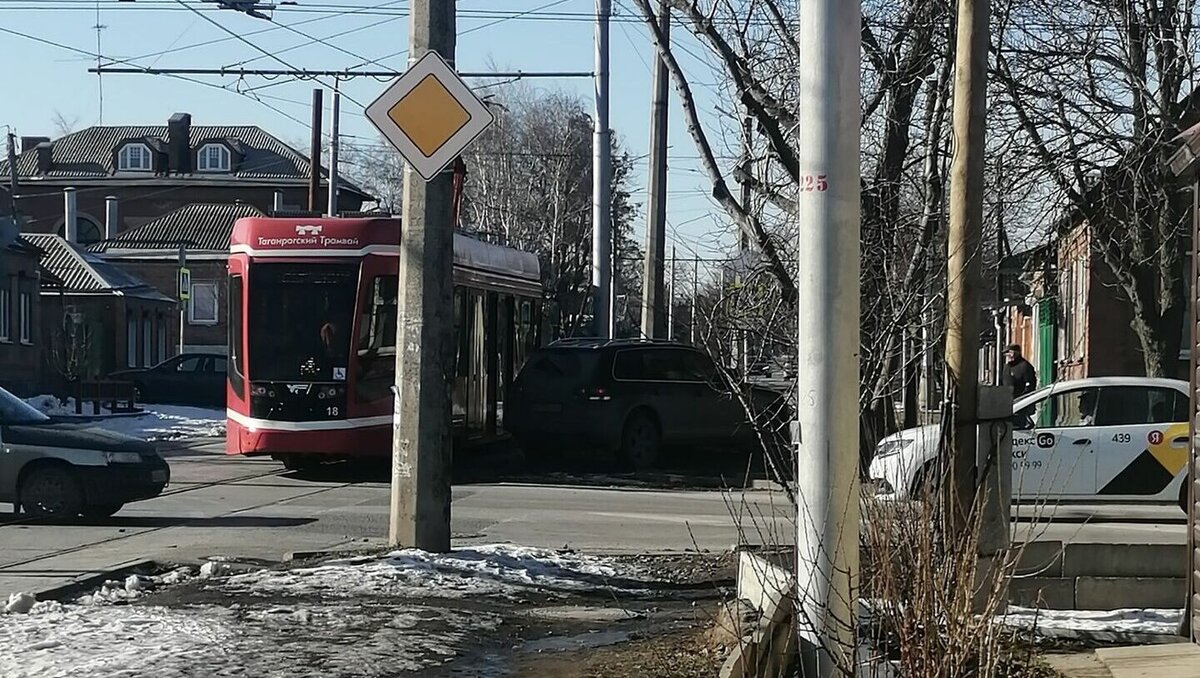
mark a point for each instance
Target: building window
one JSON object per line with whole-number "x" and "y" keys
{"x": 6, "y": 314}
{"x": 131, "y": 336}
{"x": 147, "y": 339}
{"x": 213, "y": 158}
{"x": 162, "y": 339}
{"x": 202, "y": 307}
{"x": 26, "y": 314}
{"x": 134, "y": 158}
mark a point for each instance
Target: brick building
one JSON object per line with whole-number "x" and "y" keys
{"x": 96, "y": 317}
{"x": 21, "y": 336}
{"x": 151, "y": 252}
{"x": 126, "y": 176}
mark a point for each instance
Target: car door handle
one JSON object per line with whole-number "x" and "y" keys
{"x": 1084, "y": 441}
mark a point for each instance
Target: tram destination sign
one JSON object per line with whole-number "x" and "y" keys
{"x": 430, "y": 115}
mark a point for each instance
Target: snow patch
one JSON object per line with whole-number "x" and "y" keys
{"x": 155, "y": 423}
{"x": 1129, "y": 621}
{"x": 20, "y": 603}
{"x": 462, "y": 573}
{"x": 135, "y": 586}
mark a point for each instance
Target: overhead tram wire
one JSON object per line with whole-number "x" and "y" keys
{"x": 258, "y": 48}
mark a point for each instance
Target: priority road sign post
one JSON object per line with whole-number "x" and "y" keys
{"x": 430, "y": 116}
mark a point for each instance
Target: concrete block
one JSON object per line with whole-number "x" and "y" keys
{"x": 1041, "y": 559}
{"x": 1054, "y": 593}
{"x": 764, "y": 578}
{"x": 1125, "y": 560}
{"x": 1115, "y": 593}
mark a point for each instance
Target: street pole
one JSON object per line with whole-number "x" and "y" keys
{"x": 184, "y": 295}
{"x": 695, "y": 294}
{"x": 421, "y": 445}
{"x": 964, "y": 276}
{"x": 314, "y": 157}
{"x": 653, "y": 316}
{"x": 828, "y": 338}
{"x": 601, "y": 170}
{"x": 747, "y": 150}
{"x": 333, "y": 152}
{"x": 12, "y": 172}
{"x": 671, "y": 299}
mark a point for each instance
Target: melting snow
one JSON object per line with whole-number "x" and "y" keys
{"x": 157, "y": 422}
{"x": 369, "y": 617}
{"x": 1130, "y": 621}
{"x": 465, "y": 572}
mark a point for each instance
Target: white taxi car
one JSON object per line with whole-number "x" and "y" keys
{"x": 1104, "y": 438}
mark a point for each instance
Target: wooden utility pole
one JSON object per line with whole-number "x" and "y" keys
{"x": 314, "y": 156}
{"x": 964, "y": 239}
{"x": 421, "y": 443}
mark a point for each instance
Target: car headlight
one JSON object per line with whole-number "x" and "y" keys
{"x": 888, "y": 448}
{"x": 123, "y": 457}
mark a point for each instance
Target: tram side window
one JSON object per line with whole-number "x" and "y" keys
{"x": 236, "y": 378}
{"x": 377, "y": 340}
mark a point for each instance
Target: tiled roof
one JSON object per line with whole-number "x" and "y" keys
{"x": 199, "y": 226}
{"x": 88, "y": 153}
{"x": 84, "y": 273}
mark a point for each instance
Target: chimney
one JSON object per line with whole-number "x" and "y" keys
{"x": 71, "y": 216}
{"x": 30, "y": 143}
{"x": 111, "y": 225}
{"x": 45, "y": 157}
{"x": 278, "y": 205}
{"x": 179, "y": 143}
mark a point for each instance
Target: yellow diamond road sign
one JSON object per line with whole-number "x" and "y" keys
{"x": 430, "y": 115}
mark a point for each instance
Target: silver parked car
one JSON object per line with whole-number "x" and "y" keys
{"x": 61, "y": 470}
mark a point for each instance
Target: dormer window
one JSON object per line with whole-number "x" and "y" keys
{"x": 213, "y": 158}
{"x": 134, "y": 158}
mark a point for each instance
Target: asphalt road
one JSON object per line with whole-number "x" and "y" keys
{"x": 253, "y": 509}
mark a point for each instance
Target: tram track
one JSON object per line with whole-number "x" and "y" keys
{"x": 28, "y": 522}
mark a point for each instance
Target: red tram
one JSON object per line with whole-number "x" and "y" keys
{"x": 312, "y": 334}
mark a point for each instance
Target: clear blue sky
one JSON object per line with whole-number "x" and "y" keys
{"x": 530, "y": 35}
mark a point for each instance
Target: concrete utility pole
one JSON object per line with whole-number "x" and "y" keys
{"x": 827, "y": 361}
{"x": 601, "y": 171}
{"x": 963, "y": 249}
{"x": 314, "y": 156}
{"x": 333, "y": 152}
{"x": 748, "y": 150}
{"x": 654, "y": 317}
{"x": 420, "y": 500}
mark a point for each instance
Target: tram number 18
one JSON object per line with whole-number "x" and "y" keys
{"x": 332, "y": 411}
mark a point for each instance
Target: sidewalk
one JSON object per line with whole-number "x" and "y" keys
{"x": 1175, "y": 660}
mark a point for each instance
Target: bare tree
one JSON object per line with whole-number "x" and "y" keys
{"x": 906, "y": 50}
{"x": 1097, "y": 88}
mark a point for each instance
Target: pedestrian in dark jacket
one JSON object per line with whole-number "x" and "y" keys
{"x": 1018, "y": 373}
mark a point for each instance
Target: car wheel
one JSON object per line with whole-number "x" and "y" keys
{"x": 51, "y": 492}
{"x": 101, "y": 510}
{"x": 299, "y": 462}
{"x": 640, "y": 441}
{"x": 139, "y": 393}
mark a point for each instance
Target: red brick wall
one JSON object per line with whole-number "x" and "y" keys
{"x": 43, "y": 205}
{"x": 20, "y": 364}
{"x": 163, "y": 276}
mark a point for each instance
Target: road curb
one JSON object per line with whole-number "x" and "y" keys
{"x": 81, "y": 584}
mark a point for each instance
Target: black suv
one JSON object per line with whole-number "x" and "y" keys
{"x": 631, "y": 397}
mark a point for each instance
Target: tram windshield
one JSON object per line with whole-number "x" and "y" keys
{"x": 300, "y": 318}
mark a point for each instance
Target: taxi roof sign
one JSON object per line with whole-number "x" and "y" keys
{"x": 430, "y": 115}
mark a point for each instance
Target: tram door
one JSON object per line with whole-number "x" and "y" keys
{"x": 477, "y": 400}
